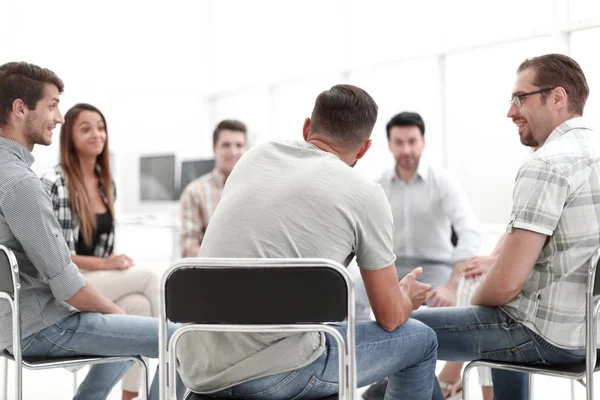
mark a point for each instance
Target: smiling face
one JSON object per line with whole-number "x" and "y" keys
{"x": 535, "y": 118}
{"x": 40, "y": 123}
{"x": 89, "y": 134}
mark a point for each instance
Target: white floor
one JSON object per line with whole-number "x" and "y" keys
{"x": 58, "y": 385}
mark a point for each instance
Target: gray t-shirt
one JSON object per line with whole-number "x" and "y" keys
{"x": 285, "y": 199}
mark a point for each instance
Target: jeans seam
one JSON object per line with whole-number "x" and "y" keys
{"x": 274, "y": 388}
{"x": 58, "y": 345}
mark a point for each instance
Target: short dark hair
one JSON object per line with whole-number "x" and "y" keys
{"x": 552, "y": 70}
{"x": 406, "y": 118}
{"x": 21, "y": 80}
{"x": 228, "y": 124}
{"x": 346, "y": 113}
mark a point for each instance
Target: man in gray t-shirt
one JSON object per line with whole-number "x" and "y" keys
{"x": 302, "y": 199}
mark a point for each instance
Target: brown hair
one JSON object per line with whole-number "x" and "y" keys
{"x": 71, "y": 166}
{"x": 228, "y": 124}
{"x": 552, "y": 70}
{"x": 346, "y": 113}
{"x": 21, "y": 80}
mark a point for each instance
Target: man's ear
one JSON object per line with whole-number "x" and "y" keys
{"x": 306, "y": 129}
{"x": 560, "y": 98}
{"x": 363, "y": 149}
{"x": 19, "y": 108}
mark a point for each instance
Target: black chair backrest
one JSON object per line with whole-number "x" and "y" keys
{"x": 257, "y": 295}
{"x": 597, "y": 280}
{"x": 6, "y": 278}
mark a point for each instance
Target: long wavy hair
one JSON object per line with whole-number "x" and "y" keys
{"x": 71, "y": 165}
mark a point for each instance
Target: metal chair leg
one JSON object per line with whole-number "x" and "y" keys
{"x": 4, "y": 378}
{"x": 530, "y": 387}
{"x": 74, "y": 383}
{"x": 572, "y": 389}
{"x": 145, "y": 378}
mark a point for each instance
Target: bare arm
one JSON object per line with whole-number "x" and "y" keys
{"x": 391, "y": 305}
{"x": 509, "y": 273}
{"x": 89, "y": 299}
{"x": 91, "y": 263}
{"x": 392, "y": 302}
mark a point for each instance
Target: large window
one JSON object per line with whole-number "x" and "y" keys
{"x": 407, "y": 86}
{"x": 293, "y": 102}
{"x": 249, "y": 106}
{"x": 483, "y": 144}
{"x": 582, "y": 44}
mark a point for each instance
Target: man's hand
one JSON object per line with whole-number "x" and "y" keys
{"x": 476, "y": 266}
{"x": 116, "y": 310}
{"x": 444, "y": 296}
{"x": 118, "y": 262}
{"x": 417, "y": 291}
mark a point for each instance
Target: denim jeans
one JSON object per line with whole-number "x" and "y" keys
{"x": 470, "y": 333}
{"x": 406, "y": 355}
{"x": 88, "y": 333}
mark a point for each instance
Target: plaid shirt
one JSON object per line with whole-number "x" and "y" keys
{"x": 198, "y": 203}
{"x": 56, "y": 185}
{"x": 557, "y": 193}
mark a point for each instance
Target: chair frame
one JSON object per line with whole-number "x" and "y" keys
{"x": 49, "y": 363}
{"x": 167, "y": 348}
{"x": 592, "y": 306}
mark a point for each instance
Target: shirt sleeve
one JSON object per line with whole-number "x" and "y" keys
{"x": 191, "y": 221}
{"x": 540, "y": 194}
{"x": 457, "y": 206}
{"x": 375, "y": 233}
{"x": 28, "y": 213}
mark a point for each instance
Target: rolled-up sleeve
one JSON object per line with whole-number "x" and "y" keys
{"x": 29, "y": 215}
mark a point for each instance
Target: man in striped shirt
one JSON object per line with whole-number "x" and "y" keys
{"x": 200, "y": 198}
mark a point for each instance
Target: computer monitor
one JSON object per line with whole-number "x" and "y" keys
{"x": 157, "y": 178}
{"x": 193, "y": 169}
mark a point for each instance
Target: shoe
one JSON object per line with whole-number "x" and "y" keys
{"x": 376, "y": 391}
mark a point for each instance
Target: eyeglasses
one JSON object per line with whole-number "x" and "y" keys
{"x": 518, "y": 98}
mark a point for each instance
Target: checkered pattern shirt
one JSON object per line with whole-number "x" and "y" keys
{"x": 58, "y": 190}
{"x": 198, "y": 203}
{"x": 28, "y": 227}
{"x": 557, "y": 193}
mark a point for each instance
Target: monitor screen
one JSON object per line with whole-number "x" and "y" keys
{"x": 193, "y": 169}
{"x": 157, "y": 178}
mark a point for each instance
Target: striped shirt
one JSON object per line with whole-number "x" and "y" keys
{"x": 198, "y": 203}
{"x": 557, "y": 193}
{"x": 57, "y": 188}
{"x": 28, "y": 227}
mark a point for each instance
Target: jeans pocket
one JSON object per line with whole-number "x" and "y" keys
{"x": 317, "y": 389}
{"x": 526, "y": 353}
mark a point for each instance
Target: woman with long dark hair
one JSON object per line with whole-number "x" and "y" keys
{"x": 83, "y": 195}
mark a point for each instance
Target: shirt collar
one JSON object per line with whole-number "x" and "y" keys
{"x": 218, "y": 177}
{"x": 573, "y": 123}
{"x": 422, "y": 171}
{"x": 18, "y": 150}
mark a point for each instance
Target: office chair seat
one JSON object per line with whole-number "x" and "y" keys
{"x": 196, "y": 396}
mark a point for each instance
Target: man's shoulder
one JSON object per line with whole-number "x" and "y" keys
{"x": 198, "y": 183}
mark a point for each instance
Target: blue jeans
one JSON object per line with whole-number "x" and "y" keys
{"x": 470, "y": 333}
{"x": 406, "y": 355}
{"x": 88, "y": 333}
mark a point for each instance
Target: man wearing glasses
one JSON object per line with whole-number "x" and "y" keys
{"x": 530, "y": 307}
